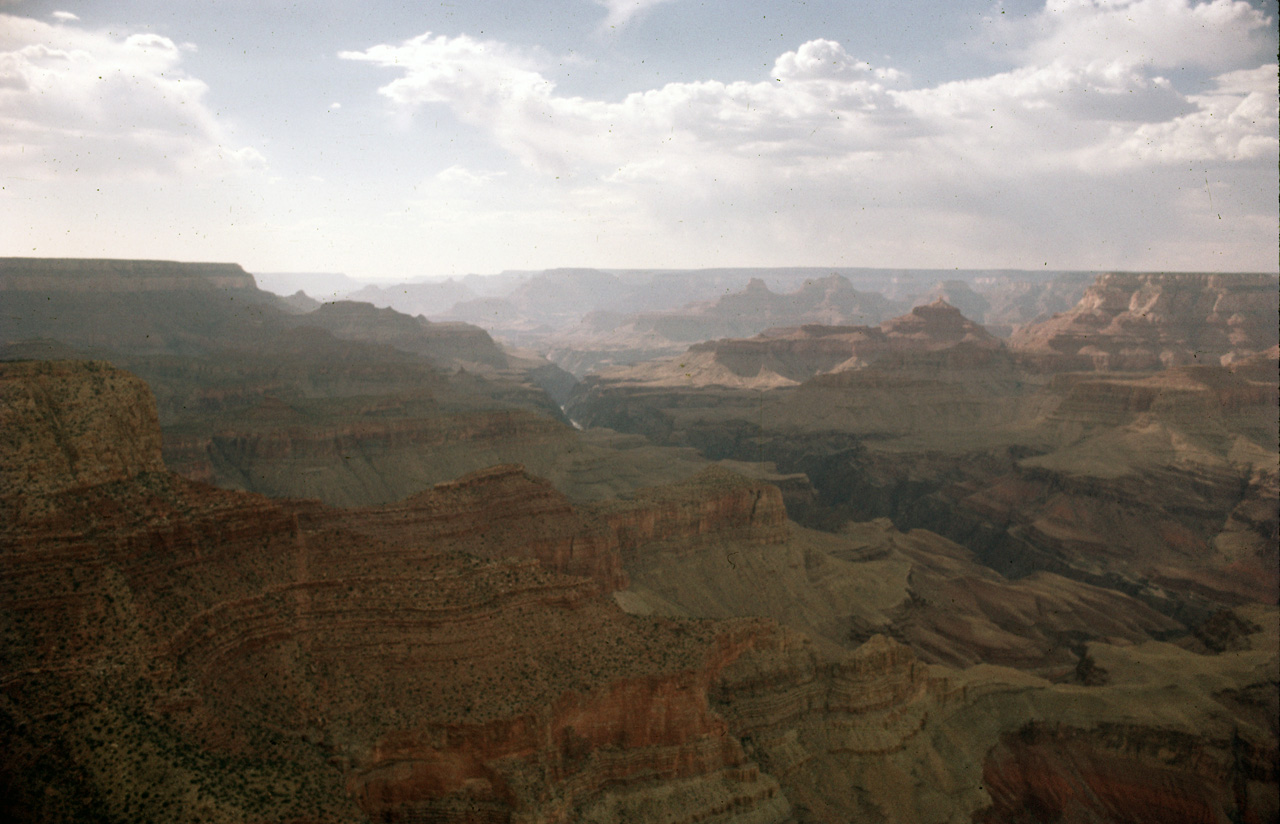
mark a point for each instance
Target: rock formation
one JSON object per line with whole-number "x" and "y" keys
{"x": 176, "y": 651}
{"x": 1154, "y": 321}
{"x": 444, "y": 343}
{"x": 1155, "y": 484}
{"x": 49, "y": 445}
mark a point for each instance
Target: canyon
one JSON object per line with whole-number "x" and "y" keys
{"x": 338, "y": 563}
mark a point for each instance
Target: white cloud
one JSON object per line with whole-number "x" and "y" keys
{"x": 64, "y": 16}
{"x": 87, "y": 102}
{"x": 1157, "y": 33}
{"x": 830, "y": 153}
{"x": 1235, "y": 121}
{"x": 465, "y": 177}
{"x": 620, "y": 12}
{"x": 110, "y": 149}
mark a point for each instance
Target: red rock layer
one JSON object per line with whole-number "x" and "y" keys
{"x": 1130, "y": 774}
{"x": 500, "y": 512}
{"x": 300, "y": 646}
{"x": 803, "y": 352}
{"x": 715, "y": 504}
{"x": 1153, "y": 321}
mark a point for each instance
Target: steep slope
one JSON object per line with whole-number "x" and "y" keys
{"x": 154, "y": 307}
{"x": 178, "y": 652}
{"x": 46, "y": 448}
{"x": 1161, "y": 485}
{"x": 173, "y": 650}
{"x": 444, "y": 343}
{"x": 789, "y": 356}
{"x": 346, "y": 402}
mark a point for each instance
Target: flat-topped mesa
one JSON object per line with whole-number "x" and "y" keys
{"x": 442, "y": 342}
{"x": 715, "y": 504}
{"x": 800, "y": 353}
{"x": 72, "y": 424}
{"x": 101, "y": 275}
{"x": 1155, "y": 321}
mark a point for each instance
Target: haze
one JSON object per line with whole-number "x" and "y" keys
{"x": 389, "y": 141}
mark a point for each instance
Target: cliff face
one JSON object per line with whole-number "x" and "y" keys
{"x": 172, "y": 647}
{"x": 499, "y": 512}
{"x": 783, "y": 357}
{"x": 444, "y": 343}
{"x": 1154, "y": 321}
{"x": 178, "y": 651}
{"x": 1122, "y": 773}
{"x": 96, "y": 275}
{"x": 714, "y": 505}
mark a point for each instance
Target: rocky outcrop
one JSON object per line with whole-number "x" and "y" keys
{"x": 499, "y": 512}
{"x": 176, "y": 651}
{"x": 362, "y": 462}
{"x": 603, "y": 339}
{"x": 1122, "y": 773}
{"x": 65, "y": 425}
{"x": 716, "y": 504}
{"x": 789, "y": 356}
{"x": 1155, "y": 321}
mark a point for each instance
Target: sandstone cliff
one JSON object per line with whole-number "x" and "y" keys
{"x": 789, "y": 356}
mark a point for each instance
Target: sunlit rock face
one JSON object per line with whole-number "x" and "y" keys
{"x": 1154, "y": 321}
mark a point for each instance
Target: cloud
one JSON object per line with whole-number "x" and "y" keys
{"x": 1158, "y": 33}
{"x": 831, "y": 152}
{"x": 1235, "y": 121}
{"x": 86, "y": 102}
{"x": 620, "y": 12}
{"x": 110, "y": 149}
{"x": 64, "y": 16}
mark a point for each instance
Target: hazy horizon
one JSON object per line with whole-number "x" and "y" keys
{"x": 393, "y": 144}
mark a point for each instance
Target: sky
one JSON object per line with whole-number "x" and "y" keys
{"x": 396, "y": 140}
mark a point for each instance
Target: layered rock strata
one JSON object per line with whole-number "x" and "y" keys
{"x": 1155, "y": 321}
{"x": 177, "y": 651}
{"x": 263, "y": 660}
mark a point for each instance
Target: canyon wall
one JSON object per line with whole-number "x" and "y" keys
{"x": 174, "y": 650}
{"x": 1154, "y": 321}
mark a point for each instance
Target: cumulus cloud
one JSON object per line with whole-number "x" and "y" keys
{"x": 1159, "y": 33}
{"x": 64, "y": 16}
{"x": 829, "y": 148}
{"x": 824, "y": 111}
{"x": 1235, "y": 121}
{"x": 88, "y": 102}
{"x": 110, "y": 149}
